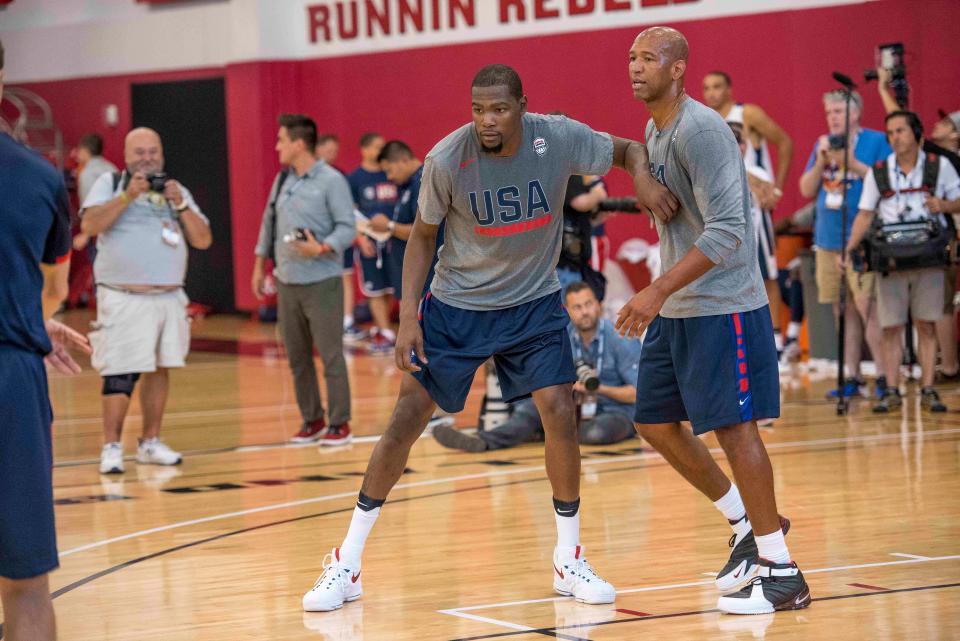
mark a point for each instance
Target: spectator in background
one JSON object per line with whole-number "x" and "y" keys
{"x": 758, "y": 130}
{"x": 761, "y": 181}
{"x": 35, "y": 246}
{"x": 584, "y": 195}
{"x": 374, "y": 194}
{"x": 914, "y": 291}
{"x": 823, "y": 180}
{"x": 307, "y": 224}
{"x": 328, "y": 149}
{"x": 90, "y": 165}
{"x": 143, "y": 230}
{"x": 944, "y": 141}
{"x": 606, "y": 413}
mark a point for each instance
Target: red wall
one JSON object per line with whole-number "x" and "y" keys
{"x": 781, "y": 61}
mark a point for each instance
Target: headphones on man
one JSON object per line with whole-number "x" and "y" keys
{"x": 913, "y": 121}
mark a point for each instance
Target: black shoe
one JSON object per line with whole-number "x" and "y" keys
{"x": 777, "y": 586}
{"x": 741, "y": 567}
{"x": 457, "y": 440}
{"x": 930, "y": 400}
{"x": 891, "y": 400}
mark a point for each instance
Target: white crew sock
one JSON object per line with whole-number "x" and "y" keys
{"x": 731, "y": 505}
{"x": 388, "y": 334}
{"x": 772, "y": 547}
{"x": 778, "y": 340}
{"x": 793, "y": 330}
{"x": 360, "y": 525}
{"x": 347, "y": 321}
{"x": 567, "y": 514}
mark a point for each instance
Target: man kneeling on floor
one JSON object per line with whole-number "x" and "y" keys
{"x": 606, "y": 389}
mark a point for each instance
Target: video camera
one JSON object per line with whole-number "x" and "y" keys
{"x": 890, "y": 57}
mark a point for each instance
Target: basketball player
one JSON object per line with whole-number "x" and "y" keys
{"x": 709, "y": 356}
{"x": 498, "y": 183}
{"x": 758, "y": 127}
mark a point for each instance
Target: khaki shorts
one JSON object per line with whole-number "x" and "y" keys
{"x": 137, "y": 333}
{"x": 949, "y": 290}
{"x": 919, "y": 290}
{"x": 828, "y": 279}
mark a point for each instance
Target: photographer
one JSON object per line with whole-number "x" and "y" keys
{"x": 823, "y": 180}
{"x": 307, "y": 224}
{"x": 584, "y": 195}
{"x": 904, "y": 189}
{"x": 143, "y": 221}
{"x": 944, "y": 141}
{"x": 605, "y": 402}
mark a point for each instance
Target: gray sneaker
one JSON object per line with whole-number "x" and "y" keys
{"x": 455, "y": 439}
{"x": 891, "y": 400}
{"x": 930, "y": 400}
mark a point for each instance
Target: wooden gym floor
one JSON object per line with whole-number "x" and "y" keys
{"x": 223, "y": 547}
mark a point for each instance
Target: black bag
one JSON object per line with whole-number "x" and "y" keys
{"x": 894, "y": 247}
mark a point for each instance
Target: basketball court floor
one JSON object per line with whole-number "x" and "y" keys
{"x": 224, "y": 546}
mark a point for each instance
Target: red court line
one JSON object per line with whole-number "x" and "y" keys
{"x": 868, "y": 587}
{"x": 632, "y": 613}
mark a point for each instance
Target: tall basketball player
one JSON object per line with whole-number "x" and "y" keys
{"x": 499, "y": 184}
{"x": 709, "y": 356}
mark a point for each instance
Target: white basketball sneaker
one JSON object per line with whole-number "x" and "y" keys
{"x": 154, "y": 451}
{"x": 337, "y": 585}
{"x": 111, "y": 458}
{"x": 573, "y": 576}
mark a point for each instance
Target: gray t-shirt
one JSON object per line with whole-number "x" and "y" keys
{"x": 699, "y": 161}
{"x": 136, "y": 250}
{"x": 505, "y": 215}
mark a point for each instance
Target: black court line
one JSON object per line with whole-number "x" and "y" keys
{"x": 552, "y": 632}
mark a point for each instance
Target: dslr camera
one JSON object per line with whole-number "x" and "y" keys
{"x": 158, "y": 181}
{"x": 890, "y": 57}
{"x": 587, "y": 375}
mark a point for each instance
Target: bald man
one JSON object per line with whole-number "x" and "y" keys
{"x": 143, "y": 222}
{"x": 709, "y": 356}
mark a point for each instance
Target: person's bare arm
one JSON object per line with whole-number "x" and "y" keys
{"x": 861, "y": 225}
{"x": 195, "y": 228}
{"x": 98, "y": 219}
{"x": 589, "y": 201}
{"x": 620, "y": 393}
{"x": 639, "y": 312}
{"x": 810, "y": 180}
{"x": 631, "y": 156}
{"x": 56, "y": 286}
{"x": 757, "y": 119}
{"x": 417, "y": 258}
{"x": 883, "y": 87}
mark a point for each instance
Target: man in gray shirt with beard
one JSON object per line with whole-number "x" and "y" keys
{"x": 709, "y": 356}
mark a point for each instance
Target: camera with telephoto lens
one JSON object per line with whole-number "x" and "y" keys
{"x": 587, "y": 375}
{"x": 890, "y": 57}
{"x": 158, "y": 181}
{"x": 625, "y": 205}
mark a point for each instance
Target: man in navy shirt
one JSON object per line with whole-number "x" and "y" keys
{"x": 34, "y": 229}
{"x": 374, "y": 194}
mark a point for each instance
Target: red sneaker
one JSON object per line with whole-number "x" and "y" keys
{"x": 337, "y": 435}
{"x": 310, "y": 432}
{"x": 380, "y": 344}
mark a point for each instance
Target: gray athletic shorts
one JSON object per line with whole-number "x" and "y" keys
{"x": 920, "y": 291}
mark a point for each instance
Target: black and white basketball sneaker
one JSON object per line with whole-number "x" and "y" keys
{"x": 741, "y": 567}
{"x": 777, "y": 586}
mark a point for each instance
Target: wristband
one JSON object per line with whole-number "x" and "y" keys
{"x": 125, "y": 198}
{"x": 391, "y": 226}
{"x": 183, "y": 206}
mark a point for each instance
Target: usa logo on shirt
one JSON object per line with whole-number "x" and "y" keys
{"x": 540, "y": 146}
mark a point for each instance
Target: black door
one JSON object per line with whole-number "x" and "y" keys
{"x": 191, "y": 119}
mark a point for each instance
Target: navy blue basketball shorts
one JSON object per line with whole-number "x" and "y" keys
{"x": 28, "y": 545}
{"x": 713, "y": 371}
{"x": 348, "y": 260}
{"x": 528, "y": 343}
{"x": 376, "y": 274}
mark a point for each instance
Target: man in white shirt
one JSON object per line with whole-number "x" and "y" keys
{"x": 905, "y": 196}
